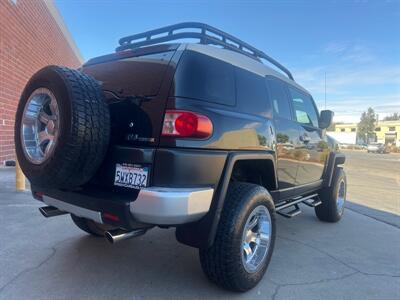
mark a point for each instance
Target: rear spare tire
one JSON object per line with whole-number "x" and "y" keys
{"x": 62, "y": 128}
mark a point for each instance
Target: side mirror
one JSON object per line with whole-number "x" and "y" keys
{"x": 325, "y": 119}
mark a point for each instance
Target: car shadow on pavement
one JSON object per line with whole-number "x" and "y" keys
{"x": 151, "y": 266}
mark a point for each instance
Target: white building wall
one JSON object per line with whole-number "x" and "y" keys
{"x": 344, "y": 137}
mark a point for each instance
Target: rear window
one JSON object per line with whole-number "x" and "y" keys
{"x": 138, "y": 75}
{"x": 202, "y": 77}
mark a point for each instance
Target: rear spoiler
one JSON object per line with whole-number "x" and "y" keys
{"x": 131, "y": 53}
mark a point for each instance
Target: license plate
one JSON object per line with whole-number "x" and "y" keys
{"x": 131, "y": 176}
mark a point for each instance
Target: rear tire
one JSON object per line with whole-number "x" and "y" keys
{"x": 333, "y": 198}
{"x": 230, "y": 262}
{"x": 91, "y": 227}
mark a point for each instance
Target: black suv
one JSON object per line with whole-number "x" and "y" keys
{"x": 202, "y": 136}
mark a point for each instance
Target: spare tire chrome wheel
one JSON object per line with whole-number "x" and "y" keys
{"x": 40, "y": 124}
{"x": 62, "y": 128}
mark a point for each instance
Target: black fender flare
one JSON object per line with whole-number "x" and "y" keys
{"x": 334, "y": 160}
{"x": 201, "y": 234}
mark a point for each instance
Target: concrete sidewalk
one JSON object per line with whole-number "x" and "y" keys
{"x": 357, "y": 258}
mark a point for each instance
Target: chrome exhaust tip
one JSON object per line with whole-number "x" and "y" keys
{"x": 116, "y": 235}
{"x": 51, "y": 211}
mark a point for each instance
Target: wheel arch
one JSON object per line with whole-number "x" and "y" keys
{"x": 202, "y": 233}
{"x": 335, "y": 159}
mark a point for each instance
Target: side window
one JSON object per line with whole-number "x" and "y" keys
{"x": 202, "y": 77}
{"x": 279, "y": 98}
{"x": 304, "y": 108}
{"x": 251, "y": 93}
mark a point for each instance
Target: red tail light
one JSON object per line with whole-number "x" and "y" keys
{"x": 178, "y": 123}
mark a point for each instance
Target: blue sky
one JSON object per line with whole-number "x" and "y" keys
{"x": 356, "y": 43}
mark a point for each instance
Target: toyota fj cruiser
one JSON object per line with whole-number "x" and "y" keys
{"x": 203, "y": 137}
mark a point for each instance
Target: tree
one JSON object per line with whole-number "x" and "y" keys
{"x": 366, "y": 126}
{"x": 331, "y": 127}
{"x": 282, "y": 138}
{"x": 393, "y": 117}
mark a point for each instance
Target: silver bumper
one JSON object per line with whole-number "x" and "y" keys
{"x": 154, "y": 205}
{"x": 169, "y": 206}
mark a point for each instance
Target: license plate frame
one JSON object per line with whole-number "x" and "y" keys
{"x": 131, "y": 176}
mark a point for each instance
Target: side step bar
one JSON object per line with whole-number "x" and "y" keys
{"x": 311, "y": 200}
{"x": 51, "y": 211}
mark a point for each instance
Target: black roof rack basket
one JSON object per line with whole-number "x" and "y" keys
{"x": 207, "y": 35}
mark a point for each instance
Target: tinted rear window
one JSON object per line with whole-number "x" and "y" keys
{"x": 202, "y": 77}
{"x": 139, "y": 75}
{"x": 251, "y": 93}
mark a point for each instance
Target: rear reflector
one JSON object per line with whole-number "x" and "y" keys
{"x": 38, "y": 195}
{"x": 110, "y": 217}
{"x": 186, "y": 124}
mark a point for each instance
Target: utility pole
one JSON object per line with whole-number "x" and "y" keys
{"x": 325, "y": 90}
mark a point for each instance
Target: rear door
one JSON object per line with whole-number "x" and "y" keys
{"x": 287, "y": 134}
{"x": 136, "y": 86}
{"x": 313, "y": 150}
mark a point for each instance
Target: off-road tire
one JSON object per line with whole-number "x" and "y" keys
{"x": 90, "y": 226}
{"x": 222, "y": 262}
{"x": 84, "y": 129}
{"x": 328, "y": 210}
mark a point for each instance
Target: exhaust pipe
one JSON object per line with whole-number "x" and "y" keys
{"x": 114, "y": 236}
{"x": 51, "y": 211}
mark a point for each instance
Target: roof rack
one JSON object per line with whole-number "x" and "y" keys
{"x": 208, "y": 35}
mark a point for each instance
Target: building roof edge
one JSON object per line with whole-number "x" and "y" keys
{"x": 63, "y": 27}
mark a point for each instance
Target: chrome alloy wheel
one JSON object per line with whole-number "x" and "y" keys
{"x": 341, "y": 197}
{"x": 40, "y": 126}
{"x": 256, "y": 238}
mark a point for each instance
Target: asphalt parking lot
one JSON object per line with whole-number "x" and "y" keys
{"x": 374, "y": 180}
{"x": 358, "y": 258}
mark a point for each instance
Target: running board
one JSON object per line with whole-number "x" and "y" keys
{"x": 311, "y": 200}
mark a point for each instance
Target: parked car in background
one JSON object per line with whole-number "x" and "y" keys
{"x": 363, "y": 146}
{"x": 376, "y": 148}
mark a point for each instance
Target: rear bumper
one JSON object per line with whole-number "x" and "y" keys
{"x": 169, "y": 206}
{"x": 154, "y": 205}
{"x": 181, "y": 187}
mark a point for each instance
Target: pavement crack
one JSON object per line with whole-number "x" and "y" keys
{"x": 280, "y": 286}
{"x": 277, "y": 288}
{"x": 27, "y": 270}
